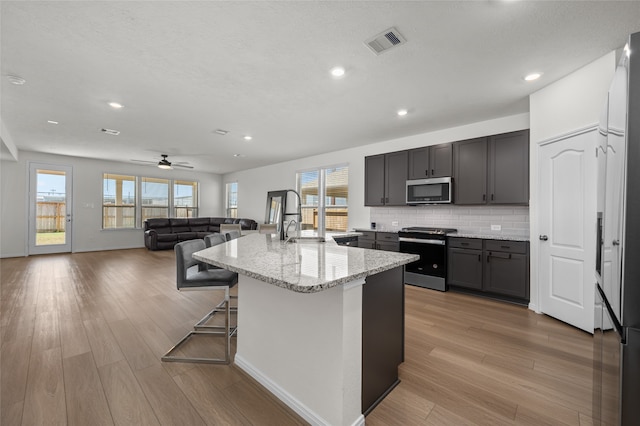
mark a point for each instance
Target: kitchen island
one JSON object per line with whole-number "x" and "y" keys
{"x": 321, "y": 326}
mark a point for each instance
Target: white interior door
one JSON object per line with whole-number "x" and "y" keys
{"x": 50, "y": 207}
{"x": 567, "y": 217}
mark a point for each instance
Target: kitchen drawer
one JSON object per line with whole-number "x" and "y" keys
{"x": 388, "y": 245}
{"x": 367, "y": 235}
{"x": 387, "y": 236}
{"x": 506, "y": 246}
{"x": 467, "y": 243}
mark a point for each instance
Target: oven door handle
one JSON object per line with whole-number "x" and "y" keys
{"x": 421, "y": 241}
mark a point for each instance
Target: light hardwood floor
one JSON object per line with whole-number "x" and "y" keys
{"x": 82, "y": 335}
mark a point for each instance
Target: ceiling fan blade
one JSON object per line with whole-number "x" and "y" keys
{"x": 144, "y": 161}
{"x": 181, "y": 165}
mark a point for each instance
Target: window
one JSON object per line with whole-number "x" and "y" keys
{"x": 118, "y": 201}
{"x": 127, "y": 201}
{"x": 232, "y": 199}
{"x": 155, "y": 198}
{"x": 325, "y": 194}
{"x": 185, "y": 199}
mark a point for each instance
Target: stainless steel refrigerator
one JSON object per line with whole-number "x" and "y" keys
{"x": 617, "y": 338}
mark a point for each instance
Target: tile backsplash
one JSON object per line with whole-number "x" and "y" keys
{"x": 514, "y": 220}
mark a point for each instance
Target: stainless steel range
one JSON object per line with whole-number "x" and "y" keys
{"x": 431, "y": 245}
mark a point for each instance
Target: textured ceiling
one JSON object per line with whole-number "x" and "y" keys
{"x": 184, "y": 69}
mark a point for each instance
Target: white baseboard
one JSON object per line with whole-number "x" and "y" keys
{"x": 297, "y": 406}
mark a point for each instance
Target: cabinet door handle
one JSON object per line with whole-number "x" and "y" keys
{"x": 491, "y": 197}
{"x": 479, "y": 258}
{"x": 386, "y": 200}
{"x": 464, "y": 244}
{"x": 382, "y": 200}
{"x": 488, "y": 256}
{"x": 484, "y": 197}
{"x": 432, "y": 172}
{"x": 505, "y": 247}
{"x": 426, "y": 172}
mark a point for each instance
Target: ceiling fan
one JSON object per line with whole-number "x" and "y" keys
{"x": 166, "y": 164}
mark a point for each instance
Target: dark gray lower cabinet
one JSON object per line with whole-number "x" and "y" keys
{"x": 507, "y": 268}
{"x": 465, "y": 268}
{"x": 382, "y": 335}
{"x": 387, "y": 241}
{"x": 495, "y": 267}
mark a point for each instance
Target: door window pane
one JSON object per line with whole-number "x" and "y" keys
{"x": 155, "y": 198}
{"x": 118, "y": 201}
{"x": 185, "y": 199}
{"x": 51, "y": 207}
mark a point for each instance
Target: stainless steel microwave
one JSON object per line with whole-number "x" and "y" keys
{"x": 430, "y": 191}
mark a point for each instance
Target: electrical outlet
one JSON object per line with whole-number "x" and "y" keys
{"x": 394, "y": 223}
{"x": 496, "y": 227}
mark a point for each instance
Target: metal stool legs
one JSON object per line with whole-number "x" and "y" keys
{"x": 201, "y": 329}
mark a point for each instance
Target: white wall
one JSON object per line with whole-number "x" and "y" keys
{"x": 254, "y": 184}
{"x": 87, "y": 201}
{"x": 572, "y": 103}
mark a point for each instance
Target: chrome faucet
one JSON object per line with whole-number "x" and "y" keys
{"x": 295, "y": 228}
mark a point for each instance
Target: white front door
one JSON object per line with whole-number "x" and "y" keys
{"x": 567, "y": 212}
{"x": 50, "y": 208}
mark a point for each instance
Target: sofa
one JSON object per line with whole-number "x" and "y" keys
{"x": 164, "y": 233}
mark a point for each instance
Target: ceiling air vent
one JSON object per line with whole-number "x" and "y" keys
{"x": 110, "y": 132}
{"x": 385, "y": 41}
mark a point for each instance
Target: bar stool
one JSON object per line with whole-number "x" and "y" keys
{"x": 189, "y": 277}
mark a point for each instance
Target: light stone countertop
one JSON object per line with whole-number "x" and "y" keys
{"x": 305, "y": 267}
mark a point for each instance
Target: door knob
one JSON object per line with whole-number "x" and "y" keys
{"x": 616, "y": 242}
{"x": 543, "y": 238}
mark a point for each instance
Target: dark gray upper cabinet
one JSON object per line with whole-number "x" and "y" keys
{"x": 386, "y": 179}
{"x": 492, "y": 170}
{"x": 374, "y": 186}
{"x": 431, "y": 161}
{"x": 509, "y": 168}
{"x": 419, "y": 163}
{"x": 440, "y": 160}
{"x": 396, "y": 173}
{"x": 470, "y": 171}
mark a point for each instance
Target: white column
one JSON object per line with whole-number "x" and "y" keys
{"x": 305, "y": 348}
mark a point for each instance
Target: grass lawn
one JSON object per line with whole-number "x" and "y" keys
{"x": 49, "y": 238}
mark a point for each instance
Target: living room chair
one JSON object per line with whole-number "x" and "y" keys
{"x": 190, "y": 277}
{"x": 232, "y": 235}
{"x": 228, "y": 227}
{"x": 267, "y": 228}
{"x": 214, "y": 239}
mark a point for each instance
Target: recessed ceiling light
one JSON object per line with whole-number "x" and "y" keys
{"x": 533, "y": 76}
{"x": 14, "y": 79}
{"x": 110, "y": 132}
{"x": 402, "y": 112}
{"x": 221, "y": 132}
{"x": 337, "y": 72}
{"x": 247, "y": 138}
{"x": 115, "y": 105}
{"x": 238, "y": 155}
{"x": 52, "y": 122}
